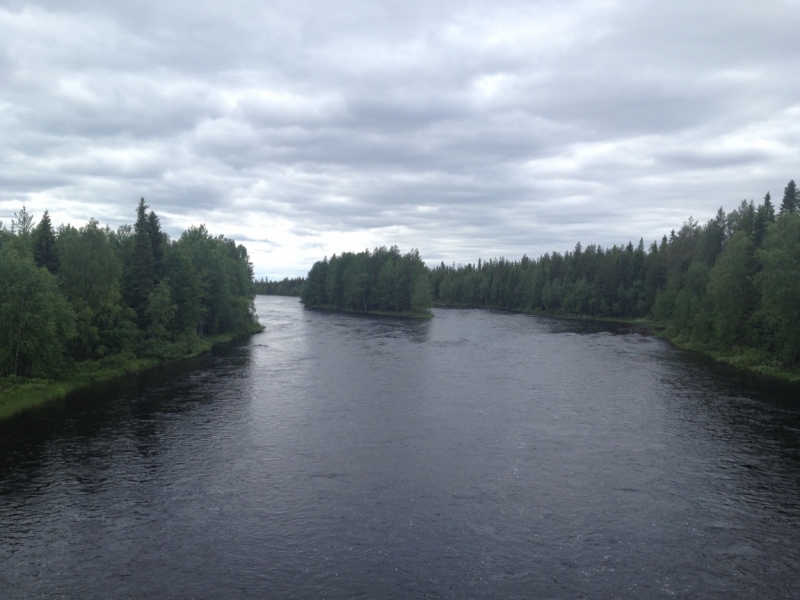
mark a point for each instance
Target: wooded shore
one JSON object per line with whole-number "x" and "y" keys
{"x": 80, "y": 305}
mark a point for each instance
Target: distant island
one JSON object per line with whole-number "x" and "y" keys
{"x": 85, "y": 304}
{"x": 283, "y": 287}
{"x": 729, "y": 288}
{"x": 382, "y": 282}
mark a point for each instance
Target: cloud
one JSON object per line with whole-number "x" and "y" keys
{"x": 463, "y": 129}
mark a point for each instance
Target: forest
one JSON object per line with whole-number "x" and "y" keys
{"x": 83, "y": 298}
{"x": 729, "y": 287}
{"x": 73, "y": 297}
{"x": 282, "y": 287}
{"x": 380, "y": 281}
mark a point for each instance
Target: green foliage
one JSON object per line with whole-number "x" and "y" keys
{"x": 731, "y": 289}
{"x": 186, "y": 289}
{"x": 128, "y": 295}
{"x": 789, "y": 204}
{"x": 89, "y": 269}
{"x": 690, "y": 316}
{"x": 420, "y": 292}
{"x": 382, "y": 280}
{"x": 314, "y": 292}
{"x": 160, "y": 311}
{"x": 45, "y": 252}
{"x": 779, "y": 285}
{"x": 285, "y": 287}
{"x": 35, "y": 320}
{"x": 732, "y": 285}
{"x": 140, "y": 276}
{"x": 764, "y": 216}
{"x": 225, "y": 282}
{"x": 22, "y": 224}
{"x": 89, "y": 277}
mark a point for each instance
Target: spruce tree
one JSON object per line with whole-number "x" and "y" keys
{"x": 789, "y": 203}
{"x": 769, "y": 209}
{"x": 157, "y": 242}
{"x": 764, "y": 216}
{"x": 140, "y": 278}
{"x": 45, "y": 252}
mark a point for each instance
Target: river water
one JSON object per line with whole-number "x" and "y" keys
{"x": 478, "y": 454}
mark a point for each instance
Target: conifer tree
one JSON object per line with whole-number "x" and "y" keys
{"x": 789, "y": 203}
{"x": 158, "y": 243}
{"x": 769, "y": 209}
{"x": 764, "y": 216}
{"x": 45, "y": 252}
{"x": 140, "y": 278}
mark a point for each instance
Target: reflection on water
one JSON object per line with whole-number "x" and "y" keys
{"x": 477, "y": 454}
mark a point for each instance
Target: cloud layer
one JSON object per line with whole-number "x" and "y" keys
{"x": 464, "y": 129}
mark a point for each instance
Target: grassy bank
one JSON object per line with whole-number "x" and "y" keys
{"x": 18, "y": 394}
{"x": 748, "y": 359}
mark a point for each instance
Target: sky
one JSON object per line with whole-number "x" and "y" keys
{"x": 463, "y": 129}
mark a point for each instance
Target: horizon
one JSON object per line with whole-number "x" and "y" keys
{"x": 428, "y": 263}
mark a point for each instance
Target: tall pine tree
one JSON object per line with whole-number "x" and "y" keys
{"x": 158, "y": 243}
{"x": 789, "y": 203}
{"x": 140, "y": 278}
{"x": 45, "y": 252}
{"x": 764, "y": 216}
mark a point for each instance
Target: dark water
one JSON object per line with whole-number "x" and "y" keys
{"x": 475, "y": 455}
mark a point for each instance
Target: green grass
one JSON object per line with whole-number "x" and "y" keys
{"x": 18, "y": 394}
{"x": 748, "y": 359}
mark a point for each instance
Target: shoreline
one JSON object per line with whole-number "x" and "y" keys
{"x": 747, "y": 360}
{"x": 371, "y": 313}
{"x": 641, "y": 325}
{"x": 19, "y": 395}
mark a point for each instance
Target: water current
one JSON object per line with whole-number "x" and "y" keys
{"x": 478, "y": 454}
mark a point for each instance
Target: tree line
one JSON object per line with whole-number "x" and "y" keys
{"x": 383, "y": 280}
{"x": 284, "y": 287}
{"x": 732, "y": 283}
{"x": 70, "y": 295}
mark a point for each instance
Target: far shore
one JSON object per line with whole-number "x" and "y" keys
{"x": 372, "y": 313}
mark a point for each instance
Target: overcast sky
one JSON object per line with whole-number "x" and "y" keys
{"x": 465, "y": 129}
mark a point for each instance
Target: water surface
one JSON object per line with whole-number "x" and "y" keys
{"x": 478, "y": 454}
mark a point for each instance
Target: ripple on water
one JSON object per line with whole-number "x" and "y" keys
{"x": 476, "y": 454}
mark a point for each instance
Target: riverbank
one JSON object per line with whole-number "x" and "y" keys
{"x": 747, "y": 359}
{"x": 372, "y": 313}
{"x": 18, "y": 394}
{"x": 641, "y": 326}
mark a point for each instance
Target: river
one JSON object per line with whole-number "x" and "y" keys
{"x": 478, "y": 454}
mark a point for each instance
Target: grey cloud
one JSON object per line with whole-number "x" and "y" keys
{"x": 466, "y": 130}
